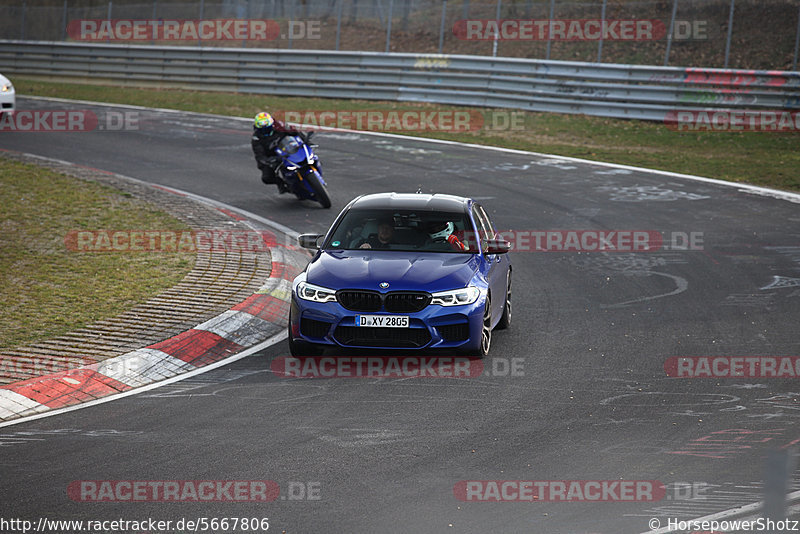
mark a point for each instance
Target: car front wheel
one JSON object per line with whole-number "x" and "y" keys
{"x": 486, "y": 331}
{"x": 505, "y": 319}
{"x": 299, "y": 348}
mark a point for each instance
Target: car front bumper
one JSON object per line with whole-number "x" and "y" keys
{"x": 434, "y": 327}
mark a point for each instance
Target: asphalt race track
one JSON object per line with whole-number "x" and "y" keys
{"x": 592, "y": 332}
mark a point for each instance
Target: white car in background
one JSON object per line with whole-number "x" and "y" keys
{"x": 7, "y": 98}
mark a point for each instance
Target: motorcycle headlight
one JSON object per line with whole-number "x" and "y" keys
{"x": 314, "y": 293}
{"x": 456, "y": 297}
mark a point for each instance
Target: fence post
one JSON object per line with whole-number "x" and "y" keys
{"x": 22, "y": 22}
{"x": 290, "y": 26}
{"x": 378, "y": 8}
{"x": 730, "y": 33}
{"x": 110, "y": 4}
{"x": 247, "y": 16}
{"x": 671, "y": 31}
{"x": 339, "y": 23}
{"x": 202, "y": 14}
{"x": 441, "y": 29}
{"x": 64, "y": 23}
{"x": 796, "y": 41}
{"x": 155, "y": 13}
{"x": 389, "y": 25}
{"x": 602, "y": 25}
{"x": 497, "y": 31}
{"x": 549, "y": 23}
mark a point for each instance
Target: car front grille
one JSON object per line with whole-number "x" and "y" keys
{"x": 406, "y": 302}
{"x": 360, "y": 336}
{"x": 362, "y": 301}
{"x": 373, "y": 301}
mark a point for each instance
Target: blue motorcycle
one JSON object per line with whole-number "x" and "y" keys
{"x": 299, "y": 170}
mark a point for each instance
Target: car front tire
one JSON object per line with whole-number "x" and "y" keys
{"x": 486, "y": 332}
{"x": 505, "y": 319}
{"x": 300, "y": 348}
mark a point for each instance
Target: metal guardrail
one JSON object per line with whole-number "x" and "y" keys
{"x": 601, "y": 89}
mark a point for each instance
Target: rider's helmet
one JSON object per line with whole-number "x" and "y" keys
{"x": 440, "y": 231}
{"x": 264, "y": 123}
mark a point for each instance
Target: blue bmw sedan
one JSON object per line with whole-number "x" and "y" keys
{"x": 403, "y": 271}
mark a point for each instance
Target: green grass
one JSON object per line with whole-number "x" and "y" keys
{"x": 769, "y": 159}
{"x": 48, "y": 290}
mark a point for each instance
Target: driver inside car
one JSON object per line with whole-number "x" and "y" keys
{"x": 383, "y": 239}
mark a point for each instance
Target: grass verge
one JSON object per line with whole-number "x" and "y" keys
{"x": 48, "y": 290}
{"x": 768, "y": 159}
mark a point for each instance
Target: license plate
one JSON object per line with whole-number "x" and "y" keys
{"x": 382, "y": 321}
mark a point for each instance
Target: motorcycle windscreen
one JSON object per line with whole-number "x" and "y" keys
{"x": 288, "y": 146}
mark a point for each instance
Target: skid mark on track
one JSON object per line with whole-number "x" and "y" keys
{"x": 368, "y": 437}
{"x": 187, "y": 387}
{"x": 780, "y": 282}
{"x": 627, "y": 262}
{"x": 647, "y": 193}
{"x": 26, "y": 436}
{"x": 763, "y": 300}
{"x": 658, "y": 398}
{"x": 681, "y": 285}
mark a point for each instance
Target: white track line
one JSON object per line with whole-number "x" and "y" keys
{"x": 748, "y": 188}
{"x": 733, "y": 513}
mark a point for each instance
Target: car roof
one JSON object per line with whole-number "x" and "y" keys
{"x": 414, "y": 201}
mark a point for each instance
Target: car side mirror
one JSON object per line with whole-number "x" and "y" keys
{"x": 496, "y": 246}
{"x": 309, "y": 240}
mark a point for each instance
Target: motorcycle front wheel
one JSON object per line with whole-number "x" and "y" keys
{"x": 320, "y": 191}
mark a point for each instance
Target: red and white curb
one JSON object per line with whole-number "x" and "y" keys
{"x": 259, "y": 317}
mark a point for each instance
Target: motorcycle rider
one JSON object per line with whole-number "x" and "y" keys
{"x": 267, "y": 132}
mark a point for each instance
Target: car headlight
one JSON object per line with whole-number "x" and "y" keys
{"x": 314, "y": 293}
{"x": 6, "y": 87}
{"x": 456, "y": 297}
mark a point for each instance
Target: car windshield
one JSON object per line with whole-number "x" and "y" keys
{"x": 404, "y": 230}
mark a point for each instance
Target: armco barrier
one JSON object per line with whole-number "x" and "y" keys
{"x": 602, "y": 89}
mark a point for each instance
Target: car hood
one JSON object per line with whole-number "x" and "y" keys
{"x": 429, "y": 271}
